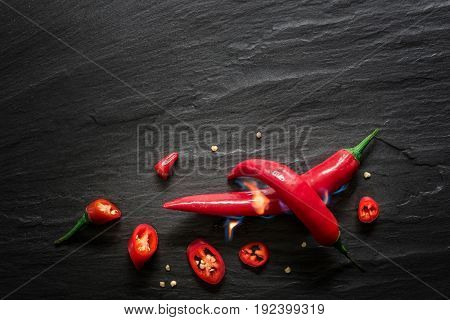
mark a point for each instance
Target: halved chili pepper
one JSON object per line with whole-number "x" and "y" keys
{"x": 254, "y": 254}
{"x": 324, "y": 178}
{"x": 368, "y": 210}
{"x": 142, "y": 244}
{"x": 206, "y": 261}
{"x": 99, "y": 211}
{"x": 164, "y": 166}
{"x": 299, "y": 196}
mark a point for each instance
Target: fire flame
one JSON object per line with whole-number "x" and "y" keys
{"x": 229, "y": 225}
{"x": 260, "y": 202}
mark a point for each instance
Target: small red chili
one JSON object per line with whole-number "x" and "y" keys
{"x": 254, "y": 254}
{"x": 368, "y": 210}
{"x": 164, "y": 166}
{"x": 99, "y": 211}
{"x": 206, "y": 261}
{"x": 142, "y": 245}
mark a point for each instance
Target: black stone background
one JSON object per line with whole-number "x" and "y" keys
{"x": 69, "y": 135}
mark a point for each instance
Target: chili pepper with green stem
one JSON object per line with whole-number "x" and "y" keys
{"x": 98, "y": 212}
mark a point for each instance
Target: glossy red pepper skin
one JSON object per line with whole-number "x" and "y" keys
{"x": 296, "y": 193}
{"x": 332, "y": 173}
{"x": 98, "y": 212}
{"x": 325, "y": 178}
{"x": 164, "y": 166}
{"x": 226, "y": 204}
{"x": 142, "y": 245}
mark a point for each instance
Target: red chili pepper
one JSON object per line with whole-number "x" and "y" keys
{"x": 324, "y": 178}
{"x": 206, "y": 261}
{"x": 226, "y": 204}
{"x": 99, "y": 211}
{"x": 299, "y": 196}
{"x": 142, "y": 245}
{"x": 368, "y": 210}
{"x": 164, "y": 166}
{"x": 254, "y": 254}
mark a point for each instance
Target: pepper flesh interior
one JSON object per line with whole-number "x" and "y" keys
{"x": 368, "y": 210}
{"x": 206, "y": 259}
{"x": 143, "y": 242}
{"x": 253, "y": 253}
{"x": 106, "y": 208}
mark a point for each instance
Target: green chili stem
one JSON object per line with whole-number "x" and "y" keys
{"x": 359, "y": 149}
{"x": 340, "y": 247}
{"x": 80, "y": 223}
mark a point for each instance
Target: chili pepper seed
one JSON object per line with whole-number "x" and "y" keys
{"x": 162, "y": 284}
{"x": 303, "y": 244}
{"x": 259, "y": 135}
{"x": 367, "y": 175}
{"x": 173, "y": 283}
{"x": 287, "y": 269}
{"x": 167, "y": 268}
{"x": 214, "y": 148}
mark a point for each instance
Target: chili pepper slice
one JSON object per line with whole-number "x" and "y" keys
{"x": 164, "y": 166}
{"x": 142, "y": 245}
{"x": 206, "y": 261}
{"x": 368, "y": 210}
{"x": 98, "y": 212}
{"x": 254, "y": 254}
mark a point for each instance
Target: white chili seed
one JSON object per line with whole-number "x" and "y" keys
{"x": 303, "y": 244}
{"x": 214, "y": 148}
{"x": 367, "y": 175}
{"x": 162, "y": 284}
{"x": 173, "y": 283}
{"x": 213, "y": 259}
{"x": 259, "y": 135}
{"x": 202, "y": 266}
{"x": 287, "y": 269}
{"x": 167, "y": 268}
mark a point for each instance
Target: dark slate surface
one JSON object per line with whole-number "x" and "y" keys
{"x": 341, "y": 68}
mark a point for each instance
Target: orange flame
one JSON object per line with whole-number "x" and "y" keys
{"x": 260, "y": 202}
{"x": 231, "y": 225}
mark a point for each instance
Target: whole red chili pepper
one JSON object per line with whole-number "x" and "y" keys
{"x": 164, "y": 166}
{"x": 99, "y": 211}
{"x": 324, "y": 178}
{"x": 299, "y": 196}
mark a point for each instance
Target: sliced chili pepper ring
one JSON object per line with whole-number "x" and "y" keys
{"x": 368, "y": 210}
{"x": 206, "y": 261}
{"x": 254, "y": 254}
